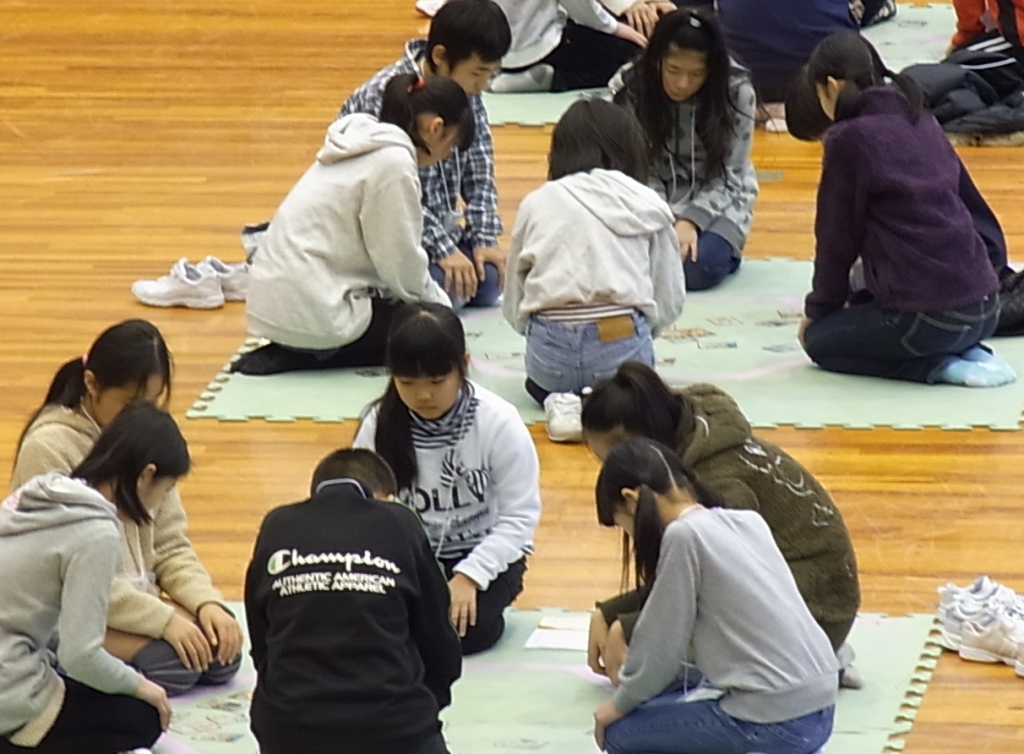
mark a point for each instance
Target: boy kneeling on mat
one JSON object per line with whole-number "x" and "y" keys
{"x": 348, "y": 619}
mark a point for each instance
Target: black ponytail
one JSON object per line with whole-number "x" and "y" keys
{"x": 649, "y": 467}
{"x": 409, "y": 95}
{"x": 425, "y": 340}
{"x": 638, "y": 401}
{"x": 125, "y": 355}
{"x": 848, "y": 57}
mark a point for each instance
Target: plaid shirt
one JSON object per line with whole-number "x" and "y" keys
{"x": 467, "y": 174}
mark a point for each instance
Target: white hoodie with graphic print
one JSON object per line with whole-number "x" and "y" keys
{"x": 350, "y": 228}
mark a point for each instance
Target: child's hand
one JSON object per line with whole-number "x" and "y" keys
{"x": 687, "y": 234}
{"x": 623, "y": 31}
{"x": 801, "y": 332}
{"x": 464, "y": 591}
{"x": 490, "y": 255}
{"x": 642, "y": 16}
{"x": 459, "y": 276}
{"x": 615, "y": 650}
{"x": 222, "y": 631}
{"x": 605, "y": 715}
{"x": 154, "y": 696}
{"x": 188, "y": 641}
{"x": 596, "y": 639}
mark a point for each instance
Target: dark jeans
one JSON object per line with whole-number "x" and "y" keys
{"x": 716, "y": 260}
{"x": 586, "y": 58}
{"x": 487, "y": 291}
{"x": 869, "y": 340}
{"x": 91, "y": 722}
{"x": 490, "y": 605}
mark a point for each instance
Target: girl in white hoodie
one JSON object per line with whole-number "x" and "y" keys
{"x": 464, "y": 460}
{"x": 343, "y": 250}
{"x": 59, "y": 551}
{"x": 593, "y": 269}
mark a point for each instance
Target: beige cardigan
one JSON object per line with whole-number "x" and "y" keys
{"x": 59, "y": 439}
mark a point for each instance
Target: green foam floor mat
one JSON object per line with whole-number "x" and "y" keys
{"x": 517, "y": 699}
{"x": 533, "y": 108}
{"x": 740, "y": 336}
{"x": 918, "y": 34}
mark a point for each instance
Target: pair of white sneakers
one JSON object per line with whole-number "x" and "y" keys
{"x": 206, "y": 285}
{"x": 983, "y": 622}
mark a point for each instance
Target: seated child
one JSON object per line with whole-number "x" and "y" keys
{"x": 60, "y": 690}
{"x": 890, "y": 196}
{"x": 722, "y": 605}
{"x": 711, "y": 436}
{"x": 594, "y": 269}
{"x": 466, "y": 42}
{"x": 190, "y": 637}
{"x": 560, "y": 45}
{"x": 464, "y": 460}
{"x": 990, "y": 26}
{"x": 343, "y": 250}
{"x": 348, "y": 618}
{"x": 696, "y": 107}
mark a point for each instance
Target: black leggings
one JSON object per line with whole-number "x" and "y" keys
{"x": 91, "y": 722}
{"x": 490, "y": 605}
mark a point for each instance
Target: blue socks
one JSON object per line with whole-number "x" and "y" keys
{"x": 977, "y": 367}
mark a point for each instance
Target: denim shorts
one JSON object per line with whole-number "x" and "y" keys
{"x": 566, "y": 357}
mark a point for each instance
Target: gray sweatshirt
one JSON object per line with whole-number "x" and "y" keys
{"x": 59, "y": 549}
{"x": 723, "y": 204}
{"x": 725, "y": 601}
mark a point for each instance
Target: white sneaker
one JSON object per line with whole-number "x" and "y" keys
{"x": 980, "y": 600}
{"x": 564, "y": 417}
{"x": 234, "y": 278}
{"x": 430, "y": 7}
{"x": 996, "y": 638}
{"x": 195, "y": 286}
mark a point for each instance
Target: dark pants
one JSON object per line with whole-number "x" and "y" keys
{"x": 868, "y": 340}
{"x": 91, "y": 722}
{"x": 490, "y": 605}
{"x": 716, "y": 260}
{"x": 319, "y": 741}
{"x": 487, "y": 291}
{"x": 160, "y": 663}
{"x": 586, "y": 59}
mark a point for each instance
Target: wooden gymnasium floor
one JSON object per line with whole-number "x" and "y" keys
{"x": 134, "y": 133}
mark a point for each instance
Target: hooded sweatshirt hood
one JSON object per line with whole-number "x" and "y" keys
{"x": 359, "y": 134}
{"x": 51, "y": 501}
{"x": 719, "y": 424}
{"x": 625, "y": 206}
{"x": 57, "y": 440}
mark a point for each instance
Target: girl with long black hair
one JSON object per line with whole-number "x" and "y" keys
{"x": 892, "y": 196}
{"x": 464, "y": 460}
{"x": 59, "y": 551}
{"x": 697, "y": 107}
{"x": 752, "y": 637}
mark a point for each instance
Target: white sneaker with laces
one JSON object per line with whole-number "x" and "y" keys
{"x": 564, "y": 417}
{"x": 195, "y": 286}
{"x": 980, "y": 600}
{"x": 234, "y": 278}
{"x": 996, "y": 638}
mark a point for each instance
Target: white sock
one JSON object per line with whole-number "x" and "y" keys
{"x": 535, "y": 79}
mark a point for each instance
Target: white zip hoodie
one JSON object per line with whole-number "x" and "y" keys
{"x": 537, "y": 26}
{"x": 349, "y": 228}
{"x": 594, "y": 238}
{"x": 59, "y": 550}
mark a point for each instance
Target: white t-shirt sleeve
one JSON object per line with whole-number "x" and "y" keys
{"x": 365, "y": 435}
{"x": 515, "y": 490}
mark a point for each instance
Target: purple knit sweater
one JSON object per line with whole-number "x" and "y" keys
{"x": 889, "y": 195}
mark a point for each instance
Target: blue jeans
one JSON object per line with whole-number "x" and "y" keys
{"x": 716, "y": 260}
{"x": 487, "y": 291}
{"x": 869, "y": 340}
{"x": 565, "y": 357}
{"x": 667, "y": 724}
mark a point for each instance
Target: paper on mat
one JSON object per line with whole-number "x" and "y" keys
{"x": 566, "y": 622}
{"x": 555, "y": 638}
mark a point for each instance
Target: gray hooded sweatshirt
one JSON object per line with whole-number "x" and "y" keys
{"x": 723, "y": 204}
{"x": 59, "y": 549}
{"x": 597, "y": 238}
{"x": 348, "y": 230}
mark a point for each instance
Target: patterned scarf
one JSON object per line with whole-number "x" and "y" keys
{"x": 447, "y": 432}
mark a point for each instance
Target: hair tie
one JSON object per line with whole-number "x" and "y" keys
{"x": 418, "y": 84}
{"x": 694, "y": 22}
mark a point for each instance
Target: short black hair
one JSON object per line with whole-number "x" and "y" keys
{"x": 594, "y": 133}
{"x": 365, "y": 466}
{"x": 469, "y": 27}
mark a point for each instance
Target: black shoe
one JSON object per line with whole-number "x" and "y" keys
{"x": 274, "y": 359}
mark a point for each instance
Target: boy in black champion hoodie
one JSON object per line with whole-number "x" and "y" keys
{"x": 348, "y": 619}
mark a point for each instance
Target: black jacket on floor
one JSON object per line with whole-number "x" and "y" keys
{"x": 348, "y": 618}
